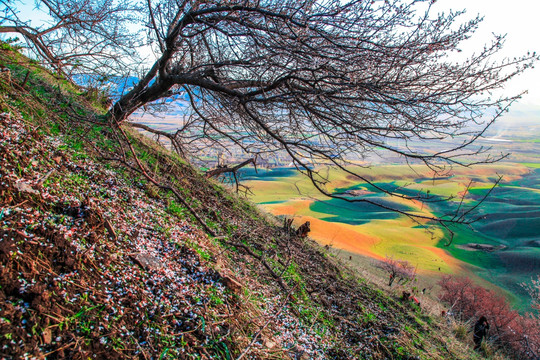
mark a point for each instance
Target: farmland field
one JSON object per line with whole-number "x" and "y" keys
{"x": 503, "y": 247}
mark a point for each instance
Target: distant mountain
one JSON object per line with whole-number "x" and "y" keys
{"x": 115, "y": 85}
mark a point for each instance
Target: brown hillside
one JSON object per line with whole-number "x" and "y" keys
{"x": 99, "y": 263}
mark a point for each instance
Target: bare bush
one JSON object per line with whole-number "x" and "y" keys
{"x": 509, "y": 329}
{"x": 399, "y": 271}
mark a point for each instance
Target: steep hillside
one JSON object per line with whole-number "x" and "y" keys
{"x": 103, "y": 260}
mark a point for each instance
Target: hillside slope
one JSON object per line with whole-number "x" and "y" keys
{"x": 100, "y": 262}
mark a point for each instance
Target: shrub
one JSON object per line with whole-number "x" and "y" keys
{"x": 400, "y": 271}
{"x": 461, "y": 331}
{"x": 508, "y": 328}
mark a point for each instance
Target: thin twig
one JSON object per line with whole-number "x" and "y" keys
{"x": 60, "y": 348}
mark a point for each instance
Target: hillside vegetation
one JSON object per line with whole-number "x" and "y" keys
{"x": 99, "y": 262}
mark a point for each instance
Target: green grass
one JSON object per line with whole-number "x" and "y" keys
{"x": 283, "y": 189}
{"x": 531, "y": 165}
{"x": 176, "y": 209}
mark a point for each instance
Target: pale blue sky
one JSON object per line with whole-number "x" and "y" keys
{"x": 519, "y": 20}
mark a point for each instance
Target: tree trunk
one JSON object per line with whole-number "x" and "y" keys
{"x": 142, "y": 93}
{"x": 221, "y": 170}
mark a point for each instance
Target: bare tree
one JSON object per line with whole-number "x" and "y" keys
{"x": 533, "y": 289}
{"x": 325, "y": 82}
{"x": 89, "y": 37}
{"x": 531, "y": 341}
{"x": 399, "y": 271}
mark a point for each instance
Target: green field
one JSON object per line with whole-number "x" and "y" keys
{"x": 509, "y": 218}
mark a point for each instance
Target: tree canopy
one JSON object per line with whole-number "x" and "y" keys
{"x": 324, "y": 81}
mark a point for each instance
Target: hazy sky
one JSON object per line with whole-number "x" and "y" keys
{"x": 519, "y": 20}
